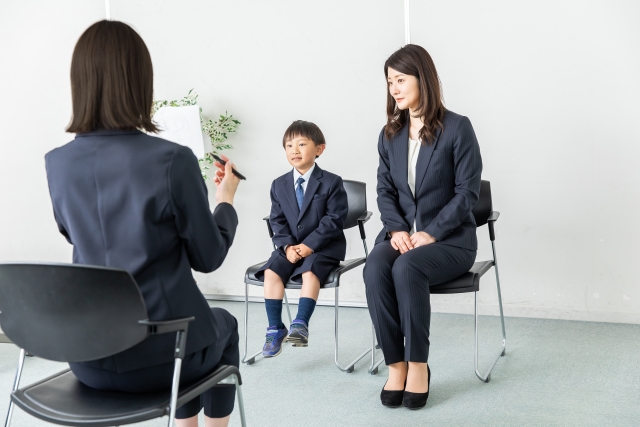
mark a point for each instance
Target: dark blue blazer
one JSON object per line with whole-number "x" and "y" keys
{"x": 128, "y": 200}
{"x": 319, "y": 223}
{"x": 447, "y": 184}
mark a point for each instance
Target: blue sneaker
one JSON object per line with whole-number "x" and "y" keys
{"x": 299, "y": 334}
{"x": 273, "y": 342}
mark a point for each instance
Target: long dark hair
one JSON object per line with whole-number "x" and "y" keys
{"x": 415, "y": 61}
{"x": 111, "y": 80}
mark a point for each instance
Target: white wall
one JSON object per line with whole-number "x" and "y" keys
{"x": 552, "y": 90}
{"x": 36, "y": 43}
{"x": 550, "y": 87}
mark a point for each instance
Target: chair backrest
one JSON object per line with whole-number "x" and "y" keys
{"x": 70, "y": 313}
{"x": 483, "y": 208}
{"x": 357, "y": 197}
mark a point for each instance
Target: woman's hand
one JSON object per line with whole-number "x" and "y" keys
{"x": 292, "y": 254}
{"x": 401, "y": 241}
{"x": 226, "y": 182}
{"x": 421, "y": 239}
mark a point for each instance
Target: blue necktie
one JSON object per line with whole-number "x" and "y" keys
{"x": 300, "y": 192}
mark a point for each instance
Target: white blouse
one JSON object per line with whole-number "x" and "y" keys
{"x": 414, "y": 149}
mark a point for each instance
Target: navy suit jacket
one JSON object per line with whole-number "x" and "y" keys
{"x": 447, "y": 184}
{"x": 128, "y": 200}
{"x": 319, "y": 223}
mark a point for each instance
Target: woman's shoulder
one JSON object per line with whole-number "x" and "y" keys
{"x": 453, "y": 120}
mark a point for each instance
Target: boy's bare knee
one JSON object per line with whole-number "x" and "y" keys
{"x": 310, "y": 278}
{"x": 271, "y": 278}
{"x": 309, "y": 274}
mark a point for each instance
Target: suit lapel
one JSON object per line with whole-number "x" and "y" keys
{"x": 290, "y": 191}
{"x": 400, "y": 146}
{"x": 424, "y": 158}
{"x": 312, "y": 187}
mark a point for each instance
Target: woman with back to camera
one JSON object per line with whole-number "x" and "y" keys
{"x": 428, "y": 183}
{"x": 128, "y": 200}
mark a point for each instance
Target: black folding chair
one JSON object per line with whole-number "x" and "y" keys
{"x": 470, "y": 282}
{"x": 357, "y": 215}
{"x": 73, "y": 313}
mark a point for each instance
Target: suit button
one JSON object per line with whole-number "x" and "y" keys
{"x": 300, "y": 227}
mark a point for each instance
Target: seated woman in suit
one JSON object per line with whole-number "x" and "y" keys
{"x": 128, "y": 200}
{"x": 428, "y": 182}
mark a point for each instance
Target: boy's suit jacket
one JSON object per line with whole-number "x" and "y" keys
{"x": 447, "y": 184}
{"x": 128, "y": 200}
{"x": 319, "y": 223}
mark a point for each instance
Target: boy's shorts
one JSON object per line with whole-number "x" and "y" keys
{"x": 318, "y": 264}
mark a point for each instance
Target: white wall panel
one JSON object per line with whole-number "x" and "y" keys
{"x": 551, "y": 88}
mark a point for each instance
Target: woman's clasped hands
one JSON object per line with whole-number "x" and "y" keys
{"x": 403, "y": 242}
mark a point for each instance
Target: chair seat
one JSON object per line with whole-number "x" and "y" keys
{"x": 468, "y": 282}
{"x": 62, "y": 399}
{"x": 332, "y": 280}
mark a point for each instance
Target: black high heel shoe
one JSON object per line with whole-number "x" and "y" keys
{"x": 417, "y": 400}
{"x": 392, "y": 398}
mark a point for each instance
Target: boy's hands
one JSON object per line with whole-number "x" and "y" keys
{"x": 295, "y": 253}
{"x": 292, "y": 254}
{"x": 303, "y": 250}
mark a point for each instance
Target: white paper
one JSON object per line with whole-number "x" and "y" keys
{"x": 182, "y": 126}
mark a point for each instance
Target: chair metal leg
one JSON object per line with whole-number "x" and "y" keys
{"x": 243, "y": 420}
{"x": 487, "y": 377}
{"x": 349, "y": 367}
{"x": 251, "y": 359}
{"x": 286, "y": 302}
{"x": 174, "y": 391}
{"x": 504, "y": 333}
{"x": 16, "y": 383}
{"x": 373, "y": 369}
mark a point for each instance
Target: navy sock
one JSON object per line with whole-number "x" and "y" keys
{"x": 305, "y": 309}
{"x": 274, "y": 312}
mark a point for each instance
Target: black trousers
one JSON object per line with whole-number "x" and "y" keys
{"x": 398, "y": 294}
{"x": 217, "y": 401}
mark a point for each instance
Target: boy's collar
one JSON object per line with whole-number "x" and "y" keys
{"x": 306, "y": 176}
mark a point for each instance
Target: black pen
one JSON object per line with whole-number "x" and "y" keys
{"x": 235, "y": 172}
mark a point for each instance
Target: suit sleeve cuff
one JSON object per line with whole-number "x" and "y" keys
{"x": 434, "y": 232}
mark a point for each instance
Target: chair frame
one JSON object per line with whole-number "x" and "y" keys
{"x": 487, "y": 377}
{"x": 373, "y": 368}
{"x": 224, "y": 375}
{"x": 493, "y": 217}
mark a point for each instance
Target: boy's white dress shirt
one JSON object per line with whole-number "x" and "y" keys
{"x": 306, "y": 177}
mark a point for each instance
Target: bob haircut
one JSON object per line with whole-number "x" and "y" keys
{"x": 308, "y": 130}
{"x": 415, "y": 61}
{"x": 111, "y": 80}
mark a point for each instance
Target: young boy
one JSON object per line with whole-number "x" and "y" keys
{"x": 308, "y": 210}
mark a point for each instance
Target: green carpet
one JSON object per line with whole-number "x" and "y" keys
{"x": 555, "y": 373}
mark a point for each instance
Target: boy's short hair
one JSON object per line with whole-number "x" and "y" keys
{"x": 304, "y": 129}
